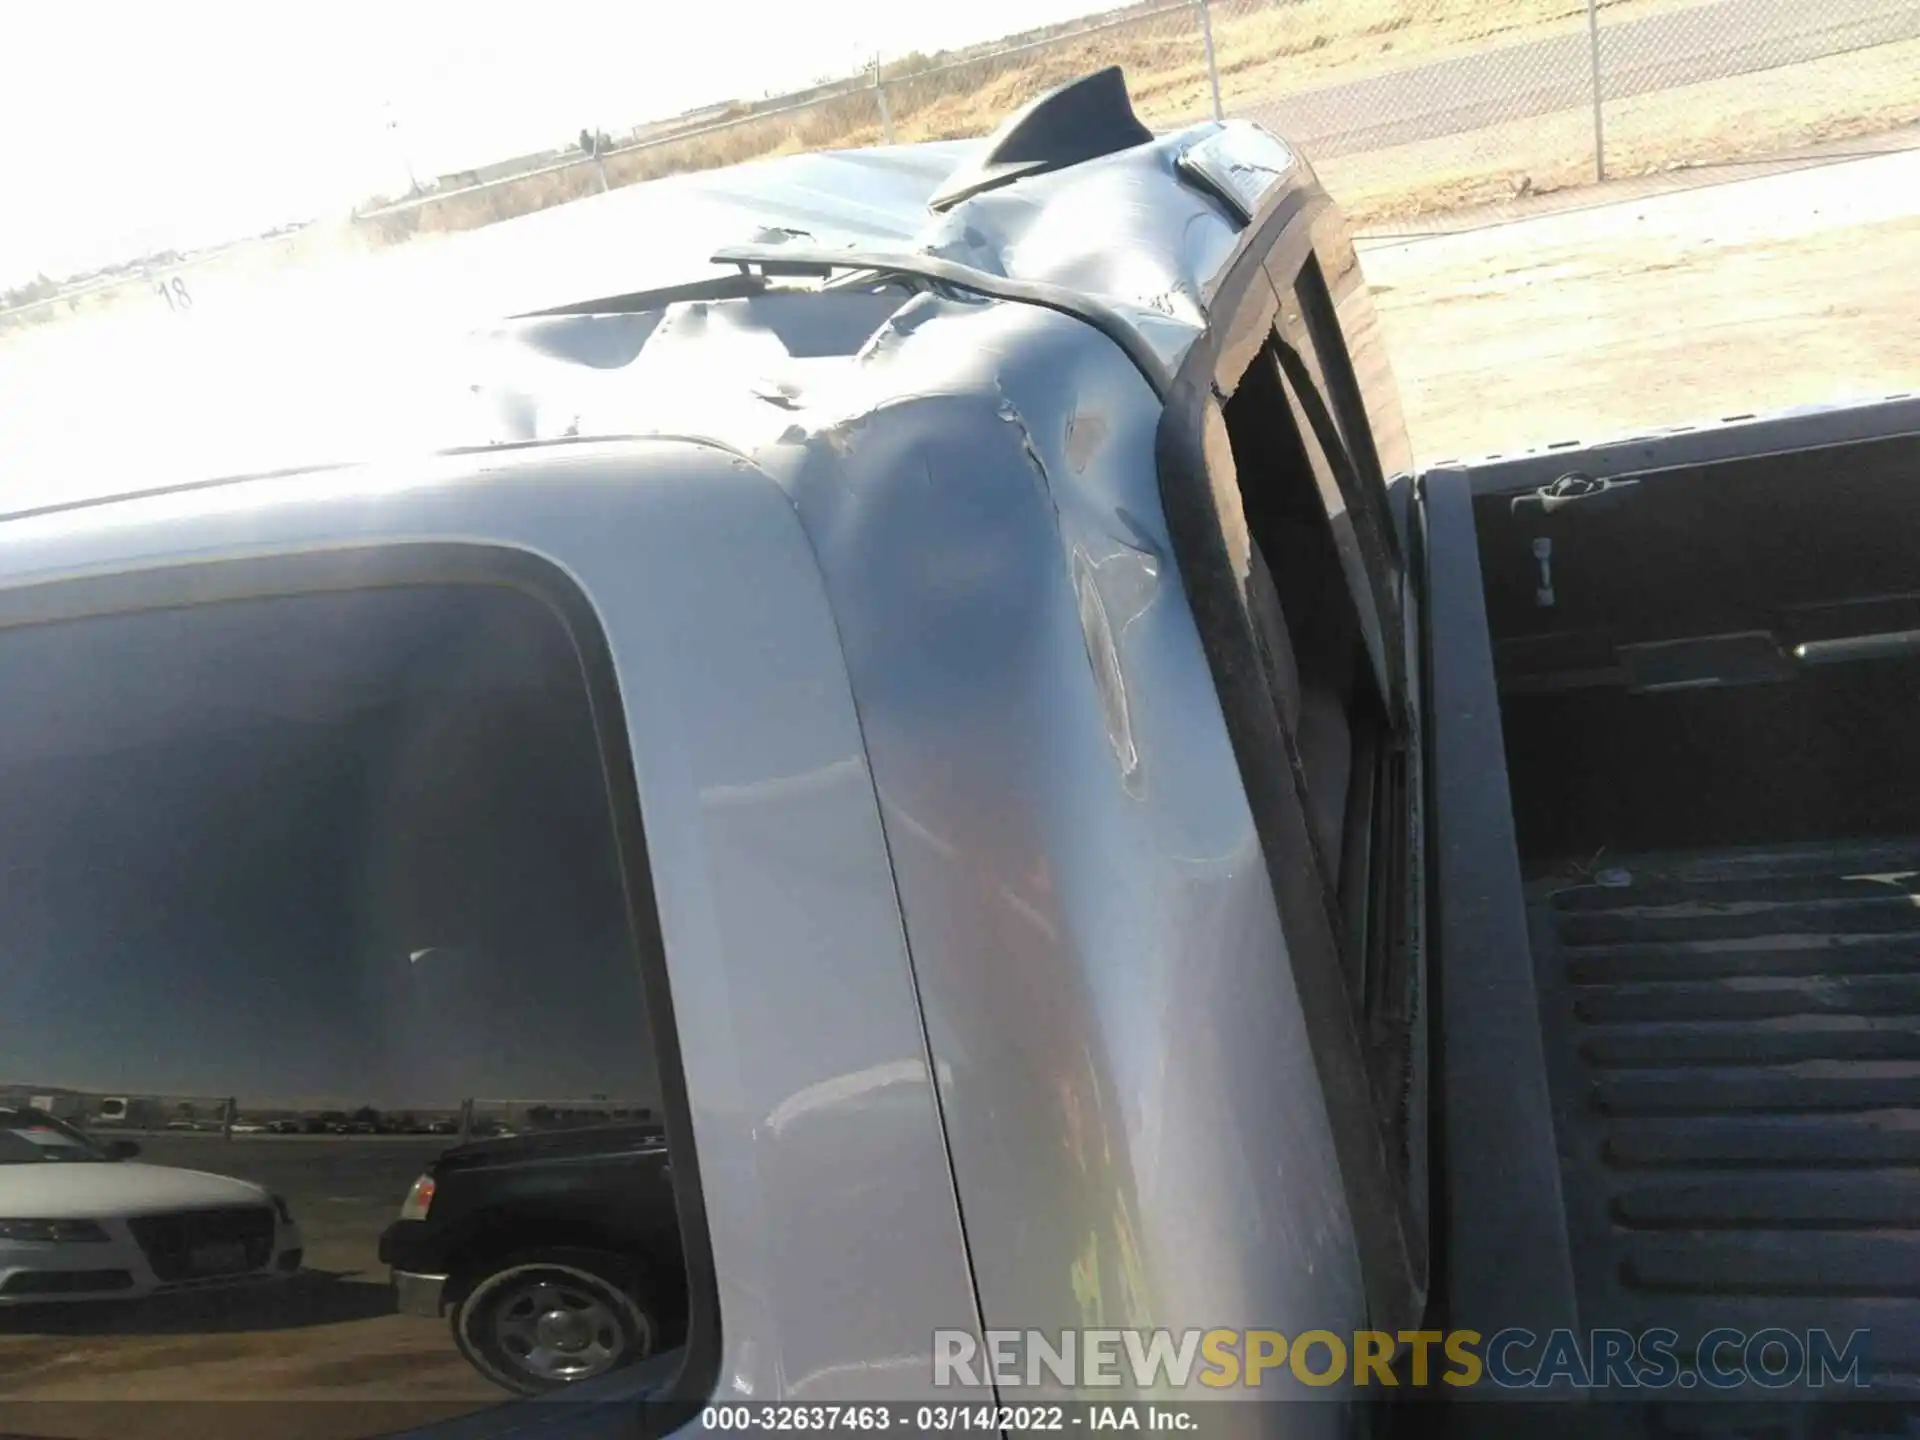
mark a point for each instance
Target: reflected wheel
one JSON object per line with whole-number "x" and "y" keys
{"x": 538, "y": 1324}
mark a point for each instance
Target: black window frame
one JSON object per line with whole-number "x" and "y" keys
{"x": 1322, "y": 318}
{"x": 1390, "y": 1240}
{"x": 1311, "y": 362}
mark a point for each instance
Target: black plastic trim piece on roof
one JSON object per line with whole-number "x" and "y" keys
{"x": 1081, "y": 120}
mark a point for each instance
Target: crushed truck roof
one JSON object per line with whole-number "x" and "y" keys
{"x": 788, "y": 285}
{"x": 1129, "y": 243}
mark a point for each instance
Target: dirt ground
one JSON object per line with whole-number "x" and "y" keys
{"x": 1724, "y": 300}
{"x": 331, "y": 1335}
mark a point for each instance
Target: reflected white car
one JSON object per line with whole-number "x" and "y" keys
{"x": 80, "y": 1221}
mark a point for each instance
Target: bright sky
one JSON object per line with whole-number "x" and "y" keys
{"x": 127, "y": 128}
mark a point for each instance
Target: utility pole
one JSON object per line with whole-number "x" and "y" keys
{"x": 598, "y": 163}
{"x": 400, "y": 147}
{"x": 880, "y": 95}
{"x": 1213, "y": 65}
{"x": 1599, "y": 126}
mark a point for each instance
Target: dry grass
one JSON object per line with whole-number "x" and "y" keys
{"x": 1264, "y": 51}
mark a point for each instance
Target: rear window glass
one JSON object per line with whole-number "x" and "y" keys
{"x": 27, "y": 1138}
{"x": 314, "y": 924}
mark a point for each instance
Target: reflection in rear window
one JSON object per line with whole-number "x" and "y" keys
{"x": 313, "y": 909}
{"x": 350, "y": 848}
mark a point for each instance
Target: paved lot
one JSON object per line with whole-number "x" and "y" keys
{"x": 329, "y": 1336}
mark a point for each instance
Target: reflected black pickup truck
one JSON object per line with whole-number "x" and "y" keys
{"x": 555, "y": 1256}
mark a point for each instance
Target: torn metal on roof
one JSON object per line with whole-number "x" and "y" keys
{"x": 627, "y": 323}
{"x": 1130, "y": 243}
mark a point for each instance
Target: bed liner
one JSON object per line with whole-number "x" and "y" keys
{"x": 1733, "y": 1052}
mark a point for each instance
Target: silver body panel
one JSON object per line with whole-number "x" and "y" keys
{"x": 1134, "y": 1118}
{"x": 961, "y": 599}
{"x": 1134, "y": 1122}
{"x": 977, "y": 970}
{"x": 829, "y": 1205}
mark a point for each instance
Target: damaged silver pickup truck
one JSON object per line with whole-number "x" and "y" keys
{"x": 1109, "y": 847}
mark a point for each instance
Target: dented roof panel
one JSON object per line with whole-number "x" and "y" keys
{"x": 1131, "y": 237}
{"x": 1131, "y": 232}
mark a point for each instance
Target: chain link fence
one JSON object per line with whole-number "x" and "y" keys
{"x": 908, "y": 99}
{"x": 1425, "y": 114}
{"x": 1418, "y": 113}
